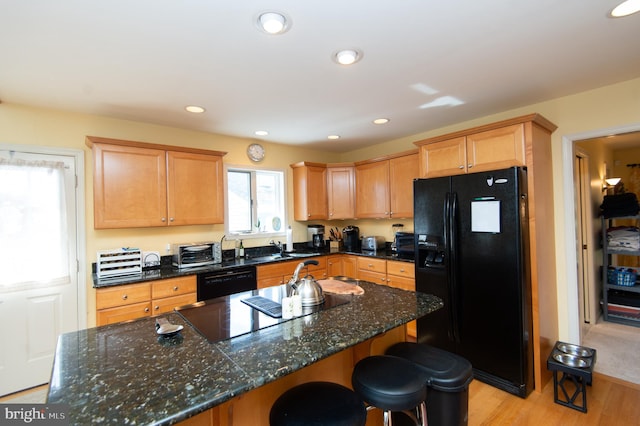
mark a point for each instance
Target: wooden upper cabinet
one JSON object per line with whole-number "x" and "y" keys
{"x": 138, "y": 184}
{"x": 195, "y": 188}
{"x": 372, "y": 190}
{"x": 496, "y": 149}
{"x": 491, "y": 149}
{"x": 129, "y": 187}
{"x": 309, "y": 191}
{"x": 445, "y": 158}
{"x": 384, "y": 188}
{"x": 341, "y": 189}
{"x": 402, "y": 171}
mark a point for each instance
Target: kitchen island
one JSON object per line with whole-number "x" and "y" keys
{"x": 126, "y": 374}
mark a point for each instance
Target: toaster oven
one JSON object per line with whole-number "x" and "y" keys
{"x": 372, "y": 244}
{"x": 190, "y": 255}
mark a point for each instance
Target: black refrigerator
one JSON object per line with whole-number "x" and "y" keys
{"x": 472, "y": 250}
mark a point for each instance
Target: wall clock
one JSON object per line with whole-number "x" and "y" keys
{"x": 255, "y": 151}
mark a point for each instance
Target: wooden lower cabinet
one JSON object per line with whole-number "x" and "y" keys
{"x": 371, "y": 269}
{"x": 281, "y": 272}
{"x": 403, "y": 275}
{"x": 252, "y": 408}
{"x": 342, "y": 265}
{"x": 389, "y": 272}
{"x": 127, "y": 302}
{"x": 349, "y": 266}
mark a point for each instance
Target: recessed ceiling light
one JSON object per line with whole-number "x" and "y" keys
{"x": 273, "y": 22}
{"x": 194, "y": 109}
{"x": 381, "y": 121}
{"x": 347, "y": 56}
{"x": 261, "y": 133}
{"x": 626, "y": 8}
{"x": 333, "y": 137}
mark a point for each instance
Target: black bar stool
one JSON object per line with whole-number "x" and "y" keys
{"x": 392, "y": 384}
{"x": 318, "y": 404}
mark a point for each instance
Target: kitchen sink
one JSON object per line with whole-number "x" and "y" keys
{"x": 284, "y": 256}
{"x": 295, "y": 255}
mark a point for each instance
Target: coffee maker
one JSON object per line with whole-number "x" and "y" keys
{"x": 315, "y": 236}
{"x": 351, "y": 238}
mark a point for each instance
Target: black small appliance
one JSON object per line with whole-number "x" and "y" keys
{"x": 405, "y": 245}
{"x": 351, "y": 238}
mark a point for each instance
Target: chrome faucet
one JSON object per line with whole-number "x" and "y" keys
{"x": 278, "y": 245}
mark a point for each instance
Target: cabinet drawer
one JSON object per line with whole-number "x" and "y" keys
{"x": 401, "y": 282}
{"x": 123, "y": 313}
{"x": 322, "y": 263}
{"x": 319, "y": 274}
{"x": 372, "y": 265}
{"x": 271, "y": 281}
{"x": 275, "y": 269}
{"x": 173, "y": 287}
{"x": 401, "y": 269}
{"x": 168, "y": 303}
{"x": 374, "y": 277}
{"x": 122, "y": 295}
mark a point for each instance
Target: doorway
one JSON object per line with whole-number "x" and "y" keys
{"x": 42, "y": 285}
{"x": 573, "y": 319}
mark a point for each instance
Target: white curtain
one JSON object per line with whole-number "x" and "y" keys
{"x": 33, "y": 224}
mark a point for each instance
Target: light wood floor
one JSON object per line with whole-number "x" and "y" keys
{"x": 609, "y": 402}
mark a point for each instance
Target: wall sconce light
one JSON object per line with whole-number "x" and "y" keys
{"x": 610, "y": 183}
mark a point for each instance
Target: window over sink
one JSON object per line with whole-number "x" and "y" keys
{"x": 255, "y": 202}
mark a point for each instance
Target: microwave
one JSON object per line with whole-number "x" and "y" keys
{"x": 190, "y": 255}
{"x": 405, "y": 244}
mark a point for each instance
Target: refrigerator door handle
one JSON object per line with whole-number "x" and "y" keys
{"x": 453, "y": 262}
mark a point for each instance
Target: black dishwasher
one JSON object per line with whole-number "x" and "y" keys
{"x": 223, "y": 283}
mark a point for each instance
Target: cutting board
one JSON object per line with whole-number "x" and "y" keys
{"x": 340, "y": 287}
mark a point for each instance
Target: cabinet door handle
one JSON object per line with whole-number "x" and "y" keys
{"x": 461, "y": 167}
{"x": 469, "y": 166}
{"x": 175, "y": 288}
{"x": 402, "y": 270}
{"x": 125, "y": 297}
{"x": 156, "y": 307}
{"x": 146, "y": 310}
{"x": 164, "y": 219}
{"x": 170, "y": 219}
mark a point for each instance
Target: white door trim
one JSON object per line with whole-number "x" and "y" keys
{"x": 571, "y": 277}
{"x": 81, "y": 244}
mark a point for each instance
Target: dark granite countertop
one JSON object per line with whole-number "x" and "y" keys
{"x": 168, "y": 271}
{"x": 125, "y": 374}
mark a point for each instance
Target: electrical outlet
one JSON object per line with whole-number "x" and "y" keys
{"x": 168, "y": 248}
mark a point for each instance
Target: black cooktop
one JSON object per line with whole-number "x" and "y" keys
{"x": 226, "y": 317}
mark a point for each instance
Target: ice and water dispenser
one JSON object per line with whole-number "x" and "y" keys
{"x": 430, "y": 251}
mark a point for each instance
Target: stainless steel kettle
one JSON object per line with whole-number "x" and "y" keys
{"x": 308, "y": 288}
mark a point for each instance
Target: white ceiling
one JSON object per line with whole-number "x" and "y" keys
{"x": 145, "y": 60}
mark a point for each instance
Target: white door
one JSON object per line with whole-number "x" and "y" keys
{"x": 38, "y": 264}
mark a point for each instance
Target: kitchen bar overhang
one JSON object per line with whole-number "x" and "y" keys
{"x": 126, "y": 373}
